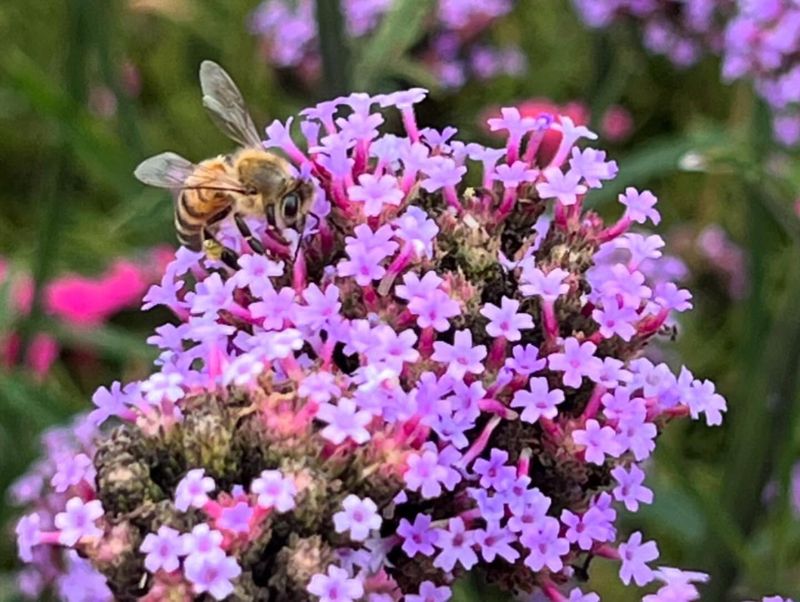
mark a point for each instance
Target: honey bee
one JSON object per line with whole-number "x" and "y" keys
{"x": 250, "y": 181}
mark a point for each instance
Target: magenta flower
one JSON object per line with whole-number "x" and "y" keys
{"x": 635, "y": 555}
{"x": 576, "y": 361}
{"x": 539, "y": 401}
{"x": 504, "y": 321}
{"x": 78, "y": 520}
{"x": 630, "y": 489}
{"x": 211, "y": 573}
{"x": 375, "y": 192}
{"x": 193, "y": 490}
{"x": 545, "y": 547}
{"x": 461, "y": 356}
{"x": 357, "y": 516}
{"x": 335, "y": 586}
{"x": 344, "y": 421}
{"x": 274, "y": 490}
{"x": 598, "y": 442}
{"x": 562, "y": 186}
{"x": 456, "y": 544}
{"x": 163, "y": 550}
{"x": 419, "y": 537}
{"x": 429, "y": 592}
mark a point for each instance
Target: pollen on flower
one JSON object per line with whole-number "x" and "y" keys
{"x": 444, "y": 380}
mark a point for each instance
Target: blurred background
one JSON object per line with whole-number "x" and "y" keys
{"x": 87, "y": 90}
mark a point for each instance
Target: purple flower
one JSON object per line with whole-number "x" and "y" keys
{"x": 276, "y": 307}
{"x": 335, "y": 586}
{"x": 193, "y": 490}
{"x": 539, "y": 401}
{"x": 549, "y": 286}
{"x": 375, "y": 192}
{"x": 576, "y": 361}
{"x": 242, "y": 371}
{"x": 545, "y": 546}
{"x": 515, "y": 174}
{"x": 109, "y": 402}
{"x": 461, "y": 357}
{"x": 562, "y": 186}
{"x": 598, "y": 442}
{"x": 72, "y": 471}
{"x": 403, "y": 99}
{"x": 429, "y": 592}
{"x": 419, "y": 537}
{"x": 630, "y": 489}
{"x": 211, "y": 573}
{"x": 513, "y": 122}
{"x": 425, "y": 474}
{"x": 28, "y": 535}
{"x": 442, "y": 173}
{"x": 434, "y": 310}
{"x": 525, "y": 360}
{"x": 504, "y": 321}
{"x": 357, "y": 516}
{"x": 635, "y": 555}
{"x": 640, "y": 206}
{"x": 494, "y": 472}
{"x": 236, "y": 518}
{"x": 344, "y": 421}
{"x": 576, "y": 595}
{"x": 161, "y": 386}
{"x": 274, "y": 490}
{"x": 163, "y": 550}
{"x": 78, "y": 520}
{"x": 456, "y": 544}
{"x": 495, "y": 541}
{"x": 202, "y": 540}
{"x": 592, "y": 166}
{"x": 364, "y": 266}
{"x": 616, "y": 319}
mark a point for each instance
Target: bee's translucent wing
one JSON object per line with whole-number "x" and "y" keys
{"x": 225, "y": 105}
{"x": 167, "y": 170}
{"x": 170, "y": 170}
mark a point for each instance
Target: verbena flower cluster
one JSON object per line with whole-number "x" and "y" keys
{"x": 446, "y": 377}
{"x": 454, "y": 47}
{"x": 762, "y": 43}
{"x": 682, "y": 30}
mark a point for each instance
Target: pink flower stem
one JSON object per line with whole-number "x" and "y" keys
{"x": 481, "y": 442}
{"x": 451, "y": 196}
{"x": 370, "y": 296}
{"x": 410, "y": 123}
{"x": 50, "y": 538}
{"x": 606, "y": 551}
{"x": 534, "y": 141}
{"x": 426, "y": 339}
{"x": 552, "y": 429}
{"x": 550, "y": 321}
{"x": 524, "y": 463}
{"x": 616, "y": 230}
{"x": 398, "y": 265}
{"x": 593, "y": 406}
{"x": 652, "y": 324}
{"x": 299, "y": 272}
{"x": 498, "y": 408}
{"x": 551, "y": 591}
{"x": 292, "y": 368}
{"x": 512, "y": 148}
{"x": 509, "y": 198}
{"x": 497, "y": 354}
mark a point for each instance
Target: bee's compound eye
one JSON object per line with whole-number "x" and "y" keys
{"x": 290, "y": 206}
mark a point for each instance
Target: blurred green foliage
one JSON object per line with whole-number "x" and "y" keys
{"x": 70, "y": 203}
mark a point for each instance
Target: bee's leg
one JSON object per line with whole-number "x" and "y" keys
{"x": 254, "y": 243}
{"x": 216, "y": 250}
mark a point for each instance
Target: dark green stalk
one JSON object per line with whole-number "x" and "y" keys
{"x": 333, "y": 46}
{"x": 52, "y": 199}
{"x": 759, "y": 417}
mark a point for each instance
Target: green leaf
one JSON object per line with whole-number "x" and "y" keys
{"x": 656, "y": 158}
{"x": 400, "y": 30}
{"x": 116, "y": 343}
